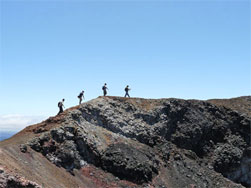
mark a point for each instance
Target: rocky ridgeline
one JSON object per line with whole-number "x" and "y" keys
{"x": 183, "y": 142}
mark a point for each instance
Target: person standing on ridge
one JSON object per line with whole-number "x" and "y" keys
{"x": 105, "y": 89}
{"x": 127, "y": 90}
{"x": 80, "y": 96}
{"x": 60, "y": 106}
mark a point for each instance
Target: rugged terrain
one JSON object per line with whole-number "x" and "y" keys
{"x": 240, "y": 104}
{"x": 121, "y": 142}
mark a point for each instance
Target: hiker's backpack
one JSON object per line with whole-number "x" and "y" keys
{"x": 103, "y": 87}
{"x": 59, "y": 104}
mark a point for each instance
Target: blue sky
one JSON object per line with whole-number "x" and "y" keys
{"x": 161, "y": 49}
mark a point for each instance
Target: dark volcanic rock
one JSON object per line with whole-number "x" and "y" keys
{"x": 227, "y": 157}
{"x": 23, "y": 148}
{"x": 166, "y": 142}
{"x": 130, "y": 163}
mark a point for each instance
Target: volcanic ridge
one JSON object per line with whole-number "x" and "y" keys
{"x": 133, "y": 142}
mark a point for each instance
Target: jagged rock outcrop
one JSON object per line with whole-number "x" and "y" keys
{"x": 143, "y": 142}
{"x": 15, "y": 181}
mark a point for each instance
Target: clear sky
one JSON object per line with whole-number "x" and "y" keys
{"x": 184, "y": 49}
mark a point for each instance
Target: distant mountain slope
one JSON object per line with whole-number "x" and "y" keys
{"x": 240, "y": 104}
{"x": 132, "y": 142}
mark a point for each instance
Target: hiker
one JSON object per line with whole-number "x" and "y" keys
{"x": 80, "y": 96}
{"x": 127, "y": 90}
{"x": 104, "y": 89}
{"x": 61, "y": 105}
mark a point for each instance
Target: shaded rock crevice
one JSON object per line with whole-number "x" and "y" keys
{"x": 130, "y": 163}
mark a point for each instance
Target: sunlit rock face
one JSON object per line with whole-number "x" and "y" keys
{"x": 145, "y": 142}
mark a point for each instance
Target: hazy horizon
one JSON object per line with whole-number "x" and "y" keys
{"x": 6, "y": 134}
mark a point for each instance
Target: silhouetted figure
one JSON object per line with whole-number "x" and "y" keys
{"x": 105, "y": 89}
{"x": 60, "y": 106}
{"x": 127, "y": 90}
{"x": 81, "y": 96}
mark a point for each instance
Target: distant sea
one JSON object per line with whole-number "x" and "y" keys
{"x": 6, "y": 134}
